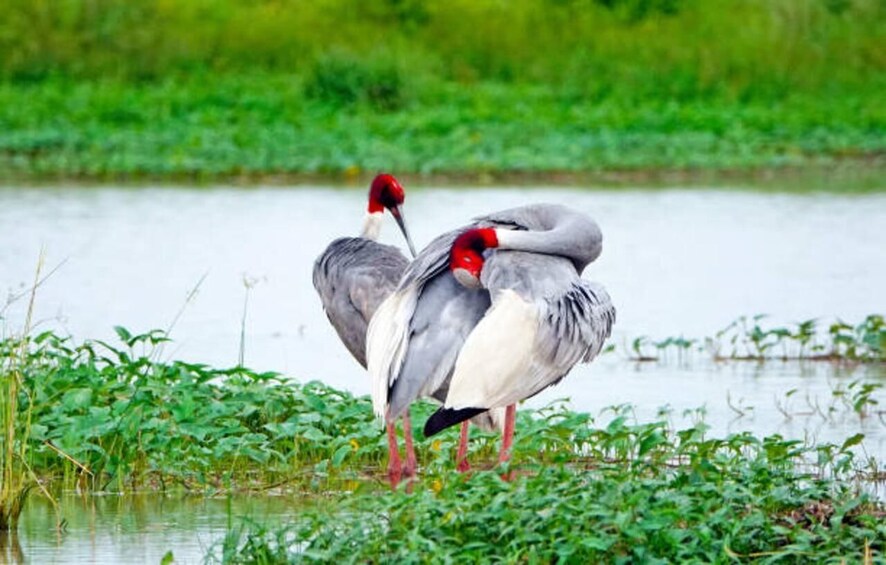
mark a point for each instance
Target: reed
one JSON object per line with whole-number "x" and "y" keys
{"x": 15, "y": 476}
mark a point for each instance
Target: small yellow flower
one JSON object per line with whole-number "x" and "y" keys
{"x": 435, "y": 445}
{"x": 354, "y": 444}
{"x": 437, "y": 485}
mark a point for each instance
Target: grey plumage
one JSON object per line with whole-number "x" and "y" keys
{"x": 353, "y": 276}
{"x": 430, "y": 316}
{"x": 443, "y": 318}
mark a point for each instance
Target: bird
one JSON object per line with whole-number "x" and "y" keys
{"x": 488, "y": 315}
{"x": 354, "y": 275}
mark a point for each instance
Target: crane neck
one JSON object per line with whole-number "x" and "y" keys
{"x": 372, "y": 225}
{"x": 577, "y": 238}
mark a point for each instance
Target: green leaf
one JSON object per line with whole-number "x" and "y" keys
{"x": 123, "y": 334}
{"x": 854, "y": 440}
{"x": 649, "y": 442}
{"x": 339, "y": 456}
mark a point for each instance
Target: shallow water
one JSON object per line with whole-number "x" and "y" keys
{"x": 676, "y": 262}
{"x": 134, "y": 528}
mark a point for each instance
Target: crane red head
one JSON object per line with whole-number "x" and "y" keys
{"x": 386, "y": 192}
{"x": 466, "y": 257}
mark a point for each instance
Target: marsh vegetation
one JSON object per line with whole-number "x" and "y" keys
{"x": 114, "y": 417}
{"x": 459, "y": 88}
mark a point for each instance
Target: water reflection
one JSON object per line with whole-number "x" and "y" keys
{"x": 10, "y": 548}
{"x": 135, "y": 528}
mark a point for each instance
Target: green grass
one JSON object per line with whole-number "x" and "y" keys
{"x": 118, "y": 418}
{"x": 224, "y": 88}
{"x": 264, "y": 124}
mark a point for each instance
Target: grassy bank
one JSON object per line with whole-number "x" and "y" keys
{"x": 116, "y": 417}
{"x": 265, "y": 125}
{"x": 223, "y": 88}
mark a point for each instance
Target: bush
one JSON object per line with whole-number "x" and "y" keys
{"x": 345, "y": 80}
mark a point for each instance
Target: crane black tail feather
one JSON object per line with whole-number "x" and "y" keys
{"x": 446, "y": 417}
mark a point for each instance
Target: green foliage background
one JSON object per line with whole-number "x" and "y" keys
{"x": 220, "y": 87}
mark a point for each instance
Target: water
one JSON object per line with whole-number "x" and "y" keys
{"x": 135, "y": 528}
{"x": 676, "y": 262}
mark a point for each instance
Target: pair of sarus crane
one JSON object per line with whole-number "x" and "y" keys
{"x": 485, "y": 316}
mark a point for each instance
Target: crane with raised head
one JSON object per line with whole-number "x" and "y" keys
{"x": 489, "y": 315}
{"x": 354, "y": 275}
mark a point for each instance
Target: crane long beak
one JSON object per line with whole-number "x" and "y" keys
{"x": 398, "y": 215}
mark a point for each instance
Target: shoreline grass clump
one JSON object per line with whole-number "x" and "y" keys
{"x": 260, "y": 125}
{"x": 582, "y": 493}
{"x": 115, "y": 418}
{"x": 16, "y": 477}
{"x": 108, "y": 417}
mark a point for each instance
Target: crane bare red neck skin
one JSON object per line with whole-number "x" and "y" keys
{"x": 466, "y": 257}
{"x": 385, "y": 192}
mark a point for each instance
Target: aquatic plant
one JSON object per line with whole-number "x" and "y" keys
{"x": 16, "y": 479}
{"x": 114, "y": 417}
{"x": 583, "y": 493}
{"x": 747, "y": 339}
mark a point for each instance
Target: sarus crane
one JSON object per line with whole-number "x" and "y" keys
{"x": 355, "y": 274}
{"x": 489, "y": 315}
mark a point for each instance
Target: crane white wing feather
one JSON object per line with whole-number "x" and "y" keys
{"x": 387, "y": 341}
{"x": 538, "y": 328}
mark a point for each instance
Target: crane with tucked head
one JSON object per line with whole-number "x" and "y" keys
{"x": 489, "y": 315}
{"x": 355, "y": 274}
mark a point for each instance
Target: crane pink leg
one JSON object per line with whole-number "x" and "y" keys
{"x": 394, "y": 465}
{"x": 507, "y": 437}
{"x": 462, "y": 458}
{"x": 410, "y": 465}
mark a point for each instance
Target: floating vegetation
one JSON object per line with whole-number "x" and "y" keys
{"x": 747, "y": 339}
{"x": 583, "y": 493}
{"x": 105, "y": 417}
{"x": 108, "y": 417}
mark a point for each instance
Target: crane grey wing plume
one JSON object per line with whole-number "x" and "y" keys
{"x": 353, "y": 276}
{"x": 543, "y": 316}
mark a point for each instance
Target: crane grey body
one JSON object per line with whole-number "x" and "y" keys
{"x": 544, "y": 248}
{"x": 353, "y": 276}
